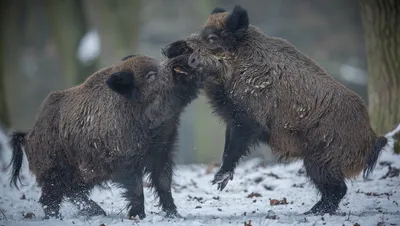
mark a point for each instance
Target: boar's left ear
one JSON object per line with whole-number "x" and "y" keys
{"x": 122, "y": 83}
{"x": 238, "y": 21}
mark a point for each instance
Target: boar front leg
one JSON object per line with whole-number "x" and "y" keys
{"x": 238, "y": 139}
{"x": 161, "y": 171}
{"x": 132, "y": 181}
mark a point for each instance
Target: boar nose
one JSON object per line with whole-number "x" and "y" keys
{"x": 194, "y": 59}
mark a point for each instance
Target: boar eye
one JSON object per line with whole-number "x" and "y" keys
{"x": 212, "y": 39}
{"x": 151, "y": 75}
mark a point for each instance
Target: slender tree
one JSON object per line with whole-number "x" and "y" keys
{"x": 381, "y": 21}
{"x": 9, "y": 52}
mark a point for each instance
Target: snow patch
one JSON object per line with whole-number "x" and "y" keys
{"x": 366, "y": 203}
{"x": 353, "y": 74}
{"x": 89, "y": 47}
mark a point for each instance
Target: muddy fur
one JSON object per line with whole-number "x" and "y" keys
{"x": 267, "y": 91}
{"x": 119, "y": 125}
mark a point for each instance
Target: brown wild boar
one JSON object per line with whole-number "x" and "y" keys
{"x": 268, "y": 91}
{"x": 118, "y": 125}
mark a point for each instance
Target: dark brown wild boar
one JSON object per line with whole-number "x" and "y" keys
{"x": 267, "y": 91}
{"x": 119, "y": 124}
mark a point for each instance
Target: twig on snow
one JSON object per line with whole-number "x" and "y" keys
{"x": 4, "y": 215}
{"x": 348, "y": 217}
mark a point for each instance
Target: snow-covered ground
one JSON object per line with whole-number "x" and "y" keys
{"x": 374, "y": 202}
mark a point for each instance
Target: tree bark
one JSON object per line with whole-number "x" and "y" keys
{"x": 118, "y": 24}
{"x": 69, "y": 25}
{"x": 9, "y": 53}
{"x": 381, "y": 20}
{"x": 4, "y": 120}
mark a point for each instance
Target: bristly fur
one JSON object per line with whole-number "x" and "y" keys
{"x": 268, "y": 91}
{"x": 17, "y": 140}
{"x": 373, "y": 156}
{"x": 385, "y": 143}
{"x": 92, "y": 133}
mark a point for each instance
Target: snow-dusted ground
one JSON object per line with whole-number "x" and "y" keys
{"x": 366, "y": 203}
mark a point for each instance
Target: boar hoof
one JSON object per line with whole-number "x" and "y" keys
{"x": 222, "y": 178}
{"x": 172, "y": 213}
{"x": 140, "y": 214}
{"x": 322, "y": 208}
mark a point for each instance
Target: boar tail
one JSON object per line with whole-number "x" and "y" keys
{"x": 383, "y": 143}
{"x": 17, "y": 140}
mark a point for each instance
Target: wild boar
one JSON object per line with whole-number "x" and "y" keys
{"x": 268, "y": 91}
{"x": 118, "y": 125}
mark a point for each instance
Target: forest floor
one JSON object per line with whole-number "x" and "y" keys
{"x": 258, "y": 195}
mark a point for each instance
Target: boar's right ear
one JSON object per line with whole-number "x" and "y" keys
{"x": 238, "y": 21}
{"x": 122, "y": 83}
{"x": 218, "y": 10}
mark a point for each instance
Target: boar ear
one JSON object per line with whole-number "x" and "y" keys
{"x": 238, "y": 21}
{"x": 127, "y": 57}
{"x": 122, "y": 83}
{"x": 218, "y": 10}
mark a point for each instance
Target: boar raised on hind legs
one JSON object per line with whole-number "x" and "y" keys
{"x": 120, "y": 124}
{"x": 267, "y": 91}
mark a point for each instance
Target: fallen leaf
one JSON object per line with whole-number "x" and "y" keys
{"x": 198, "y": 207}
{"x": 247, "y": 224}
{"x": 29, "y": 215}
{"x": 274, "y": 202}
{"x": 253, "y": 194}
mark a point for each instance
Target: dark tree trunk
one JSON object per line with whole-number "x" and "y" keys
{"x": 381, "y": 19}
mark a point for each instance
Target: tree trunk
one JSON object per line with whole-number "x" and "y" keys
{"x": 118, "y": 24}
{"x": 4, "y": 120}
{"x": 381, "y": 20}
{"x": 9, "y": 54}
{"x": 69, "y": 25}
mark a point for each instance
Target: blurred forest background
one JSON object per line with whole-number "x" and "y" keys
{"x": 48, "y": 45}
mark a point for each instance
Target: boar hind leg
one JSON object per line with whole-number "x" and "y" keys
{"x": 52, "y": 193}
{"x": 330, "y": 184}
{"x": 80, "y": 198}
{"x": 238, "y": 139}
{"x": 161, "y": 179}
{"x": 132, "y": 181}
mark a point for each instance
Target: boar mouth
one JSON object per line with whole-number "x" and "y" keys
{"x": 179, "y": 70}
